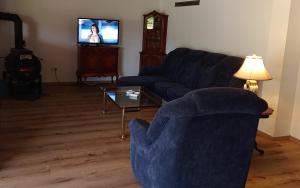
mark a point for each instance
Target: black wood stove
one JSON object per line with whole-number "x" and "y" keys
{"x": 23, "y": 68}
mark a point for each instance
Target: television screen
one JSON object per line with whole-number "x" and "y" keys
{"x": 98, "y": 31}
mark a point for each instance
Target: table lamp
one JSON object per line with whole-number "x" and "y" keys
{"x": 253, "y": 69}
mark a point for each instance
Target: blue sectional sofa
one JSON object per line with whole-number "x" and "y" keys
{"x": 184, "y": 70}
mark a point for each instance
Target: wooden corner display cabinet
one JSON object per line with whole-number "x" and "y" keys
{"x": 97, "y": 61}
{"x": 154, "y": 39}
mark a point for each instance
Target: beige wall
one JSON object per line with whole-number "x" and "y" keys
{"x": 223, "y": 26}
{"x": 50, "y": 30}
{"x": 274, "y": 60}
{"x": 239, "y": 28}
{"x": 290, "y": 90}
{"x": 295, "y": 124}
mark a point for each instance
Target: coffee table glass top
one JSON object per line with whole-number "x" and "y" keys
{"x": 132, "y": 97}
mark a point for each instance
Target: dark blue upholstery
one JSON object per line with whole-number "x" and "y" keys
{"x": 202, "y": 140}
{"x": 176, "y": 92}
{"x": 188, "y": 70}
{"x": 147, "y": 81}
{"x": 161, "y": 88}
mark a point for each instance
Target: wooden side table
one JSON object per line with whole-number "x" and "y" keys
{"x": 263, "y": 115}
{"x": 267, "y": 113}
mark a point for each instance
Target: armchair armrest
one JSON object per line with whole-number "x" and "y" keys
{"x": 147, "y": 71}
{"x": 138, "y": 132}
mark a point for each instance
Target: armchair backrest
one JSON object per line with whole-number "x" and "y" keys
{"x": 204, "y": 139}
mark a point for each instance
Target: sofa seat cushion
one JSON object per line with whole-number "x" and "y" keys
{"x": 161, "y": 88}
{"x": 147, "y": 81}
{"x": 177, "y": 92}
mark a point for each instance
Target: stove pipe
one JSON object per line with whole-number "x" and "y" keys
{"x": 17, "y": 25}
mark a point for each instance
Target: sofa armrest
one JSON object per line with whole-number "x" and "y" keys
{"x": 138, "y": 132}
{"x": 148, "y": 71}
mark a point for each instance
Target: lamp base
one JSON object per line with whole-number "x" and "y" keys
{"x": 251, "y": 85}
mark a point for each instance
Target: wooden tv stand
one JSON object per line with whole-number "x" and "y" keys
{"x": 97, "y": 61}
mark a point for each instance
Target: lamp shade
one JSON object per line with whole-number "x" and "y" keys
{"x": 253, "y": 68}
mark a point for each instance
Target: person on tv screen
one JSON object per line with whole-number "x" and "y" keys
{"x": 95, "y": 37}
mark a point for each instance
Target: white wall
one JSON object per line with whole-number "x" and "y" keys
{"x": 295, "y": 124}
{"x": 290, "y": 90}
{"x": 274, "y": 60}
{"x": 50, "y": 30}
{"x": 224, "y": 26}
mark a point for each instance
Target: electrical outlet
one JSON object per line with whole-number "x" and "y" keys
{"x": 54, "y": 69}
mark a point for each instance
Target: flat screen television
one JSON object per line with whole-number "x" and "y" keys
{"x": 97, "y": 31}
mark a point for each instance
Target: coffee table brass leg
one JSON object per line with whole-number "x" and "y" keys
{"x": 123, "y": 136}
{"x": 104, "y": 102}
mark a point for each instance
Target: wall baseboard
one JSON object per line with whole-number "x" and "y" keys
{"x": 291, "y": 138}
{"x": 296, "y": 140}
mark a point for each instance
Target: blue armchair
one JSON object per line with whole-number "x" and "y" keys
{"x": 204, "y": 139}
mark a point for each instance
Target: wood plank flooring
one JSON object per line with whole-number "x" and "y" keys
{"x": 64, "y": 141}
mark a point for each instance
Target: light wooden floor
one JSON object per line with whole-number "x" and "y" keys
{"x": 63, "y": 141}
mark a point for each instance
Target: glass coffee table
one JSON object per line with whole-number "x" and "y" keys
{"x": 130, "y": 98}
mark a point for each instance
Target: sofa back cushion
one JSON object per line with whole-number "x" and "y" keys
{"x": 224, "y": 71}
{"x": 200, "y": 75}
{"x": 199, "y": 69}
{"x": 174, "y": 64}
